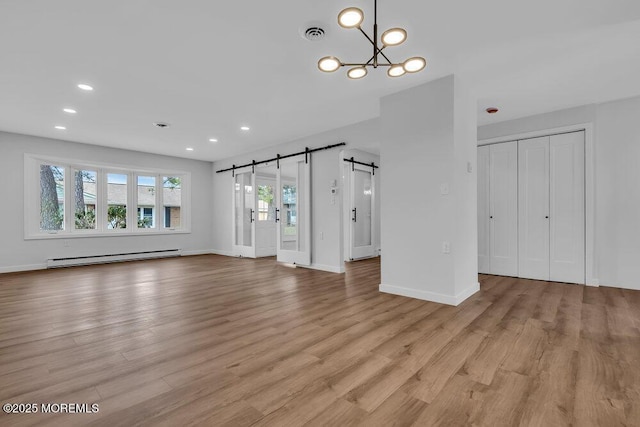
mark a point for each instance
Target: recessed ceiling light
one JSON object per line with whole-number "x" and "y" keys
{"x": 244, "y": 127}
{"x": 84, "y": 86}
{"x": 189, "y": 149}
{"x": 213, "y": 140}
{"x": 61, "y": 128}
{"x": 69, "y": 110}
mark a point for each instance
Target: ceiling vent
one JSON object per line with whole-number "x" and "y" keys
{"x": 161, "y": 125}
{"x": 314, "y": 34}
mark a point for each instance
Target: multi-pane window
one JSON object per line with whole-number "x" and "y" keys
{"x": 146, "y": 201}
{"x": 70, "y": 199}
{"x": 116, "y": 201}
{"x": 51, "y": 197}
{"x": 85, "y": 199}
{"x": 172, "y": 200}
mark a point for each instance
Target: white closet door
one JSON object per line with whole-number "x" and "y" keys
{"x": 533, "y": 208}
{"x": 484, "y": 264}
{"x": 503, "y": 189}
{"x": 567, "y": 208}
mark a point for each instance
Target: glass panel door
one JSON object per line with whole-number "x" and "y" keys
{"x": 293, "y": 212}
{"x": 266, "y": 229}
{"x": 244, "y": 214}
{"x": 362, "y": 197}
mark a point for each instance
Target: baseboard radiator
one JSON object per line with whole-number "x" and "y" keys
{"x": 102, "y": 259}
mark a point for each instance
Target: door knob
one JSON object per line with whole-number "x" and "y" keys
{"x": 547, "y": 217}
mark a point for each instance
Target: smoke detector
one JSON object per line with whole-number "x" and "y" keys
{"x": 314, "y": 33}
{"x": 161, "y": 125}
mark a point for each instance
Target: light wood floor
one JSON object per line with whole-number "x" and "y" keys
{"x": 223, "y": 341}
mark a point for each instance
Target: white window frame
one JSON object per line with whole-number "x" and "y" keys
{"x": 32, "y": 230}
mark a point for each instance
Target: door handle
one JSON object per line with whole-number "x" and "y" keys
{"x": 277, "y": 212}
{"x": 491, "y": 217}
{"x": 355, "y": 215}
{"x": 251, "y": 215}
{"x": 547, "y": 217}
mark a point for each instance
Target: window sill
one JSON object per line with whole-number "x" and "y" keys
{"x": 66, "y": 235}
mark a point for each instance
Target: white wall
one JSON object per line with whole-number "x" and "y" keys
{"x": 16, "y": 253}
{"x": 618, "y": 193}
{"x": 429, "y": 135}
{"x": 617, "y": 181}
{"x": 327, "y": 226}
{"x": 555, "y": 119}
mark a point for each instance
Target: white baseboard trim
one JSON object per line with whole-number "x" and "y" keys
{"x": 16, "y": 268}
{"x": 594, "y": 283}
{"x": 198, "y": 252}
{"x": 431, "y": 296}
{"x": 220, "y": 252}
{"x": 329, "y": 268}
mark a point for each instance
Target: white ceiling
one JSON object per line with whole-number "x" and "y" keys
{"x": 208, "y": 67}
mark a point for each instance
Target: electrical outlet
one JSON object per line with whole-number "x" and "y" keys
{"x": 446, "y": 247}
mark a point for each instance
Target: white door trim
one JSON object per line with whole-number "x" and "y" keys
{"x": 591, "y": 273}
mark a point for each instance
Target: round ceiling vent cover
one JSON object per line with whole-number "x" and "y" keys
{"x": 314, "y": 34}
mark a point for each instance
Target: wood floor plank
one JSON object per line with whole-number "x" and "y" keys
{"x": 212, "y": 340}
{"x": 432, "y": 378}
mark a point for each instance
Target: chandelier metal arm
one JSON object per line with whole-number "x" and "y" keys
{"x": 350, "y": 64}
{"x": 385, "y": 56}
{"x": 376, "y": 50}
{"x": 367, "y": 36}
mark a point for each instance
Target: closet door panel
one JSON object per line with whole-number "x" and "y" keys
{"x": 567, "y": 207}
{"x": 484, "y": 264}
{"x": 503, "y": 190}
{"x": 533, "y": 208}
